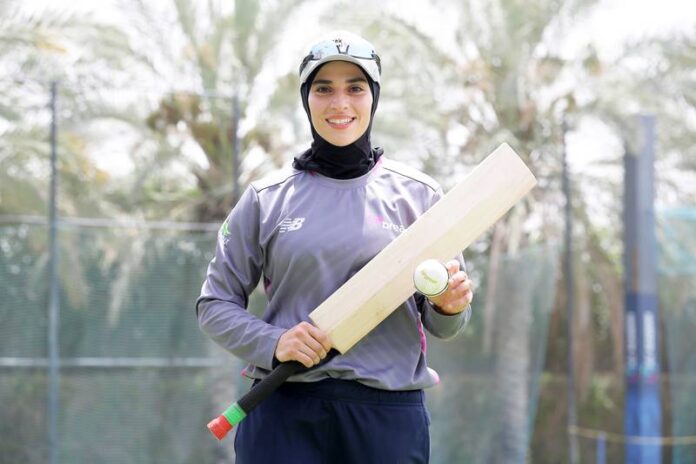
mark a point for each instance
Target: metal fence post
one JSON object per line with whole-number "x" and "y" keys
{"x": 235, "y": 148}
{"x": 54, "y": 295}
{"x": 570, "y": 296}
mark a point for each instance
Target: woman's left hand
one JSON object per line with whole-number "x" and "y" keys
{"x": 459, "y": 291}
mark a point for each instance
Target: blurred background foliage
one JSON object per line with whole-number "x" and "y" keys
{"x": 146, "y": 109}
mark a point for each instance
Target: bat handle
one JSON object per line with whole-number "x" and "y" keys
{"x": 233, "y": 415}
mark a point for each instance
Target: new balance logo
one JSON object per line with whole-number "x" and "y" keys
{"x": 289, "y": 224}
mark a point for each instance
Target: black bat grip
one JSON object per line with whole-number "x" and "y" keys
{"x": 221, "y": 425}
{"x": 269, "y": 384}
{"x": 275, "y": 379}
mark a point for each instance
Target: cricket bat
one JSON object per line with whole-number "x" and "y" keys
{"x": 489, "y": 191}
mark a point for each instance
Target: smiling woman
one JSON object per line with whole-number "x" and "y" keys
{"x": 306, "y": 231}
{"x": 340, "y": 103}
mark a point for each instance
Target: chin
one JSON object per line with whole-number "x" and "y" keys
{"x": 340, "y": 143}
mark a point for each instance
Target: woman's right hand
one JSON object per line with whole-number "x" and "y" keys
{"x": 304, "y": 343}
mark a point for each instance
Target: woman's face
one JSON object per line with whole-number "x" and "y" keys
{"x": 340, "y": 103}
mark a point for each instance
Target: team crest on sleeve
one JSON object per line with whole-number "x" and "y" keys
{"x": 224, "y": 232}
{"x": 291, "y": 224}
{"x": 225, "y": 229}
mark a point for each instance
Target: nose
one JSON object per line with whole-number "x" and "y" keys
{"x": 339, "y": 101}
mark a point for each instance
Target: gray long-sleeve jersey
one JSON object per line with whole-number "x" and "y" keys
{"x": 305, "y": 235}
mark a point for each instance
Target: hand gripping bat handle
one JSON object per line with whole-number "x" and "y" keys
{"x": 238, "y": 411}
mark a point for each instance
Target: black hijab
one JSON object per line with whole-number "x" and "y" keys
{"x": 347, "y": 162}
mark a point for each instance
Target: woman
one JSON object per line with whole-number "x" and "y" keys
{"x": 306, "y": 231}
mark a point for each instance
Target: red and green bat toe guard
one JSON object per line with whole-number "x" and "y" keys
{"x": 239, "y": 410}
{"x": 228, "y": 419}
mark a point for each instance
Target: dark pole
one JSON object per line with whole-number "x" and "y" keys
{"x": 642, "y": 406}
{"x": 54, "y": 303}
{"x": 570, "y": 297}
{"x": 235, "y": 149}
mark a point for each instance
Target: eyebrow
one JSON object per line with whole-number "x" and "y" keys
{"x": 352, "y": 80}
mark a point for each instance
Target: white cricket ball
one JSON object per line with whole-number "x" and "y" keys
{"x": 431, "y": 277}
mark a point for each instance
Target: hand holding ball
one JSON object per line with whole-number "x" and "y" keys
{"x": 431, "y": 277}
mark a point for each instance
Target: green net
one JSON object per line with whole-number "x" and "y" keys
{"x": 23, "y": 335}
{"x": 139, "y": 381}
{"x": 24, "y": 290}
{"x": 677, "y": 288}
{"x": 483, "y": 411}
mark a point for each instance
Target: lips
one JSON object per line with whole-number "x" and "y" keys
{"x": 340, "y": 122}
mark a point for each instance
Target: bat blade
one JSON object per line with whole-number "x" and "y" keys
{"x": 447, "y": 228}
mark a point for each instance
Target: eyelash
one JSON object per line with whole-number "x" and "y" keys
{"x": 325, "y": 90}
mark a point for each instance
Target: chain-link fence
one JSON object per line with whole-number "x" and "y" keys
{"x": 137, "y": 377}
{"x": 139, "y": 381}
{"x": 677, "y": 290}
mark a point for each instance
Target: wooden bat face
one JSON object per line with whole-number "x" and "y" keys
{"x": 447, "y": 228}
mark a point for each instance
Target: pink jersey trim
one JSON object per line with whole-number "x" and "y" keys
{"x": 423, "y": 340}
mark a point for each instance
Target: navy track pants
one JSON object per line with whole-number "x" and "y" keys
{"x": 334, "y": 422}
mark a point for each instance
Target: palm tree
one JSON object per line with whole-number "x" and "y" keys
{"x": 498, "y": 82}
{"x": 36, "y": 48}
{"x": 227, "y": 53}
{"x": 500, "y": 78}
